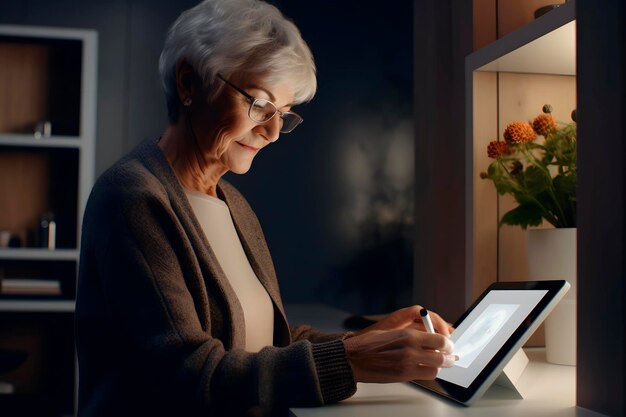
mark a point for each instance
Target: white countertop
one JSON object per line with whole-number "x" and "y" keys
{"x": 548, "y": 390}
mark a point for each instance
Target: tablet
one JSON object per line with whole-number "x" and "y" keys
{"x": 490, "y": 332}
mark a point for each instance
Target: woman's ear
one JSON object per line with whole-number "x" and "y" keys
{"x": 186, "y": 82}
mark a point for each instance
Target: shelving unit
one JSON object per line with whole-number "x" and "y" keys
{"x": 47, "y": 145}
{"x": 509, "y": 80}
{"x": 37, "y": 306}
{"x": 29, "y": 140}
{"x": 40, "y": 254}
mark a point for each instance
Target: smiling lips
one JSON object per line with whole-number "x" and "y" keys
{"x": 248, "y": 147}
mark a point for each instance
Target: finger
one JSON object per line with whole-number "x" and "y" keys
{"x": 417, "y": 326}
{"x": 437, "y": 342}
{"x": 406, "y": 317}
{"x": 399, "y": 319}
{"x": 437, "y": 359}
{"x": 425, "y": 372}
{"x": 375, "y": 317}
{"x": 449, "y": 361}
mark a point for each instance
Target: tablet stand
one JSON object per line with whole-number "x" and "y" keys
{"x": 512, "y": 372}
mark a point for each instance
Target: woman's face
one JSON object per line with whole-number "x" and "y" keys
{"x": 226, "y": 134}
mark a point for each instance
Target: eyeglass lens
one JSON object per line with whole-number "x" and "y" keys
{"x": 263, "y": 110}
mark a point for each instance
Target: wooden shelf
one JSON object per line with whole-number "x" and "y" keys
{"x": 37, "y": 306}
{"x": 42, "y": 32}
{"x": 30, "y": 141}
{"x": 546, "y": 45}
{"x": 37, "y": 254}
{"x": 510, "y": 80}
{"x": 46, "y": 75}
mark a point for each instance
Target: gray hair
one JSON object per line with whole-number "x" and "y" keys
{"x": 234, "y": 37}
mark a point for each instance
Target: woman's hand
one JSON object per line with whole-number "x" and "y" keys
{"x": 409, "y": 317}
{"x": 398, "y": 355}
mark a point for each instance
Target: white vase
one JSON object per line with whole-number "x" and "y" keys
{"x": 552, "y": 255}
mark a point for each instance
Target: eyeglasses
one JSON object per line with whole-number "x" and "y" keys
{"x": 262, "y": 110}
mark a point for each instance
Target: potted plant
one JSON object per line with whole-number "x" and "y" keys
{"x": 536, "y": 164}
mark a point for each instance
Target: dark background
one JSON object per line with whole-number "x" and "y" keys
{"x": 335, "y": 197}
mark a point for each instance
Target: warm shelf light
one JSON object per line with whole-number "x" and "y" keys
{"x": 553, "y": 53}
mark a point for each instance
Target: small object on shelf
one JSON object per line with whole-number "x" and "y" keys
{"x": 5, "y": 238}
{"x": 43, "y": 130}
{"x": 15, "y": 242}
{"x": 52, "y": 234}
{"x": 545, "y": 9}
{"x": 47, "y": 231}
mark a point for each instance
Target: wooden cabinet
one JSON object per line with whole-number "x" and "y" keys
{"x": 510, "y": 80}
{"x": 47, "y": 143}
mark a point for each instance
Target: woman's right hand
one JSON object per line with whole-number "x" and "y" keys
{"x": 398, "y": 355}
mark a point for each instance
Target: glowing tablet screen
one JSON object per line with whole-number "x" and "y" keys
{"x": 485, "y": 330}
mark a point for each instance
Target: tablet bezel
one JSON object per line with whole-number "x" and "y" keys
{"x": 556, "y": 290}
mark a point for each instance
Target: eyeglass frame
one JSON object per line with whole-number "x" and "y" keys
{"x": 253, "y": 100}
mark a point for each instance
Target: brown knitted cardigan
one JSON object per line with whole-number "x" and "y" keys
{"x": 159, "y": 330}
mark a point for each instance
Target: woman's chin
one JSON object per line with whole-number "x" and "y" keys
{"x": 241, "y": 169}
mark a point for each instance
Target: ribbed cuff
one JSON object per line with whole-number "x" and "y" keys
{"x": 334, "y": 371}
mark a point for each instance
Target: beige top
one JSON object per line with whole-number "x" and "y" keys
{"x": 214, "y": 218}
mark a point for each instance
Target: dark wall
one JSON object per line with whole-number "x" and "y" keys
{"x": 335, "y": 197}
{"x": 601, "y": 196}
{"x": 443, "y": 29}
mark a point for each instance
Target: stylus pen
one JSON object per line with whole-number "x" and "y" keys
{"x": 426, "y": 320}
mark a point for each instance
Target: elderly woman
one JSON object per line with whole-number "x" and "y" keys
{"x": 178, "y": 310}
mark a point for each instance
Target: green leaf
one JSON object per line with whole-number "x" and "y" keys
{"x": 524, "y": 215}
{"x": 565, "y": 191}
{"x": 562, "y": 145}
{"x": 550, "y": 208}
{"x": 565, "y": 184}
{"x": 533, "y": 145}
{"x": 492, "y": 170}
{"x": 536, "y": 180}
{"x": 501, "y": 179}
{"x": 505, "y": 185}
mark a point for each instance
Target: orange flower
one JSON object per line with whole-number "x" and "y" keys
{"x": 497, "y": 149}
{"x": 517, "y": 133}
{"x": 544, "y": 124}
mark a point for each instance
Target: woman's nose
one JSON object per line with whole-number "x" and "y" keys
{"x": 272, "y": 128}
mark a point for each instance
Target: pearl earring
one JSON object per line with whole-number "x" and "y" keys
{"x": 187, "y": 102}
